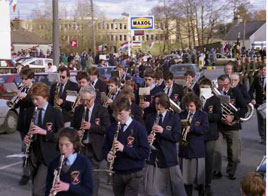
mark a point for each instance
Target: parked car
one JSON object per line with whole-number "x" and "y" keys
{"x": 178, "y": 71}
{"x": 177, "y": 58}
{"x": 7, "y": 66}
{"x": 223, "y": 60}
{"x": 37, "y": 62}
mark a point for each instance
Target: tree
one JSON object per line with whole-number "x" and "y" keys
{"x": 259, "y": 15}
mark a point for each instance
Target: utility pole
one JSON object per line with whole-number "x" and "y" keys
{"x": 93, "y": 29}
{"x": 56, "y": 50}
{"x": 244, "y": 33}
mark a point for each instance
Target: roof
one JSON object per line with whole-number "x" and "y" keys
{"x": 25, "y": 37}
{"x": 251, "y": 28}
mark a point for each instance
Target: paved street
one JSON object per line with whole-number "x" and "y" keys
{"x": 252, "y": 152}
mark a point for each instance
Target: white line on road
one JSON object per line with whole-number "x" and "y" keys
{"x": 10, "y": 165}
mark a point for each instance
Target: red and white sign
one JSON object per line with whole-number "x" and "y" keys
{"x": 73, "y": 44}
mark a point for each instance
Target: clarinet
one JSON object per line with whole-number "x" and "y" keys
{"x": 28, "y": 145}
{"x": 56, "y": 176}
{"x": 111, "y": 160}
{"x": 156, "y": 122}
{"x": 81, "y": 127}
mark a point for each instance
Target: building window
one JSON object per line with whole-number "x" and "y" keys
{"x": 120, "y": 27}
{"x": 99, "y": 26}
{"x": 125, "y": 26}
{"x": 134, "y": 38}
{"x": 156, "y": 37}
{"x": 147, "y": 37}
{"x": 107, "y": 26}
{"x": 112, "y": 38}
{"x": 161, "y": 36}
{"x": 120, "y": 37}
{"x": 152, "y": 37}
{"x": 125, "y": 37}
{"x": 143, "y": 38}
{"x": 112, "y": 26}
{"x": 116, "y": 38}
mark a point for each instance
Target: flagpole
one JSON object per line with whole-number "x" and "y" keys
{"x": 129, "y": 35}
{"x": 55, "y": 35}
{"x": 93, "y": 30}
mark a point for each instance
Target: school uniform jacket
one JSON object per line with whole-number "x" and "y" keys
{"x": 79, "y": 176}
{"x": 177, "y": 90}
{"x": 100, "y": 86}
{"x": 214, "y": 117}
{"x": 99, "y": 120}
{"x": 196, "y": 136}
{"x": 67, "y": 105}
{"x": 44, "y": 146}
{"x": 135, "y": 152}
{"x": 166, "y": 141}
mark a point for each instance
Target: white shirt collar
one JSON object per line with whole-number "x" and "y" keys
{"x": 127, "y": 123}
{"x": 71, "y": 158}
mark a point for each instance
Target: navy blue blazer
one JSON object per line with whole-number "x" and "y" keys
{"x": 195, "y": 137}
{"x": 166, "y": 142}
{"x": 79, "y": 176}
{"x": 136, "y": 147}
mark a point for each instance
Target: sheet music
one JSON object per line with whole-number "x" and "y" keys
{"x": 11, "y": 87}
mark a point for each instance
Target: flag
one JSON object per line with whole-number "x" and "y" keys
{"x": 151, "y": 44}
{"x": 99, "y": 48}
{"x": 136, "y": 44}
{"x": 124, "y": 46}
{"x": 13, "y": 3}
{"x": 73, "y": 44}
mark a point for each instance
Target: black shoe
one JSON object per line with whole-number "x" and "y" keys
{"x": 217, "y": 175}
{"x": 231, "y": 177}
{"x": 24, "y": 180}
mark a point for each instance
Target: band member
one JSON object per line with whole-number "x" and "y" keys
{"x": 190, "y": 83}
{"x": 60, "y": 99}
{"x": 164, "y": 136}
{"x": 131, "y": 147}
{"x": 159, "y": 80}
{"x": 83, "y": 80}
{"x": 173, "y": 90}
{"x": 123, "y": 76}
{"x": 212, "y": 106}
{"x": 149, "y": 78}
{"x": 113, "y": 89}
{"x": 97, "y": 83}
{"x": 235, "y": 82}
{"x": 229, "y": 127}
{"x": 47, "y": 123}
{"x": 75, "y": 176}
{"x": 136, "y": 112}
{"x": 259, "y": 88}
{"x": 25, "y": 102}
{"x": 192, "y": 156}
{"x": 95, "y": 123}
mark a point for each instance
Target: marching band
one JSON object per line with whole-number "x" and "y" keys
{"x": 148, "y": 145}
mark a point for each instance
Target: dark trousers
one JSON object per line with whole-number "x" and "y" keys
{"x": 126, "y": 184}
{"x": 233, "y": 151}
{"x": 88, "y": 152}
{"x": 261, "y": 126}
{"x": 209, "y": 145}
{"x": 26, "y": 168}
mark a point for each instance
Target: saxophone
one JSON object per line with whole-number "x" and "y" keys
{"x": 111, "y": 160}
{"x": 81, "y": 127}
{"x": 56, "y": 96}
{"x": 28, "y": 145}
{"x": 56, "y": 176}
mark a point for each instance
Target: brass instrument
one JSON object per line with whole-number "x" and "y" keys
{"x": 56, "y": 176}
{"x": 15, "y": 99}
{"x": 28, "y": 145}
{"x": 76, "y": 103}
{"x": 81, "y": 127}
{"x": 174, "y": 107}
{"x": 156, "y": 122}
{"x": 105, "y": 103}
{"x": 185, "y": 124}
{"x": 111, "y": 160}
{"x": 56, "y": 96}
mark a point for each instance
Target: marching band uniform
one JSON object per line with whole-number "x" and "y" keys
{"x": 93, "y": 139}
{"x": 78, "y": 173}
{"x": 192, "y": 156}
{"x": 43, "y": 149}
{"x": 99, "y": 85}
{"x": 167, "y": 179}
{"x": 128, "y": 164}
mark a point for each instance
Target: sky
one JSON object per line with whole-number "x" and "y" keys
{"x": 111, "y": 8}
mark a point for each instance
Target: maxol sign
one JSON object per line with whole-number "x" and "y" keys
{"x": 142, "y": 23}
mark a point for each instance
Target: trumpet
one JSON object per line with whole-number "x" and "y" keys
{"x": 56, "y": 178}
{"x": 111, "y": 160}
{"x": 186, "y": 124}
{"x": 81, "y": 127}
{"x": 28, "y": 145}
{"x": 76, "y": 103}
{"x": 15, "y": 99}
